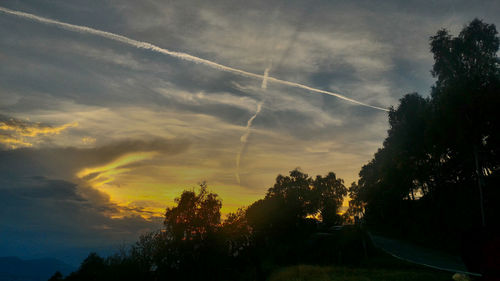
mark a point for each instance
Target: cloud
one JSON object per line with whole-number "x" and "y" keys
{"x": 244, "y": 137}
{"x": 96, "y": 168}
{"x": 16, "y": 133}
{"x": 9, "y": 141}
{"x": 89, "y": 140}
{"x": 39, "y": 215}
{"x": 45, "y": 205}
{"x": 103, "y": 174}
{"x": 65, "y": 162}
{"x": 180, "y": 55}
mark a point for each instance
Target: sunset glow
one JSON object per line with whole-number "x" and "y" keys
{"x": 110, "y": 110}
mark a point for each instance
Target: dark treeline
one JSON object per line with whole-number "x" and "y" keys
{"x": 195, "y": 244}
{"x": 437, "y": 176}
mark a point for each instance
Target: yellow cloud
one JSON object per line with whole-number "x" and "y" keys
{"x": 33, "y": 129}
{"x": 88, "y": 140}
{"x": 13, "y": 143}
{"x": 138, "y": 190}
{"x": 100, "y": 175}
{"x": 102, "y": 178}
{"x": 17, "y": 133}
{"x": 146, "y": 212}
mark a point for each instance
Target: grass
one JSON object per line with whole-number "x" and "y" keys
{"x": 382, "y": 267}
{"x": 336, "y": 273}
{"x": 368, "y": 264}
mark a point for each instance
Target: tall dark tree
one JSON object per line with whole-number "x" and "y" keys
{"x": 465, "y": 100}
{"x": 466, "y": 94}
{"x": 441, "y": 153}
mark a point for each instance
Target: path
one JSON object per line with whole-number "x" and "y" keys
{"x": 419, "y": 255}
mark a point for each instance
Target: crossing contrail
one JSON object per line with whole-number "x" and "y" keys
{"x": 244, "y": 137}
{"x": 264, "y": 80}
{"x": 179, "y": 55}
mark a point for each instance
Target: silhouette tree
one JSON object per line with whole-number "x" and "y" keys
{"x": 438, "y": 149}
{"x": 237, "y": 232}
{"x": 193, "y": 245}
{"x": 195, "y": 217}
{"x": 466, "y": 99}
{"x": 293, "y": 198}
{"x": 93, "y": 268}
{"x": 329, "y": 192}
{"x": 56, "y": 277}
{"x": 356, "y": 204}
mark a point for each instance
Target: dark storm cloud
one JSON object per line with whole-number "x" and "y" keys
{"x": 40, "y": 215}
{"x": 42, "y": 188}
{"x": 41, "y": 208}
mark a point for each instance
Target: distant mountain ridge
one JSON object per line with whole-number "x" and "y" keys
{"x": 17, "y": 269}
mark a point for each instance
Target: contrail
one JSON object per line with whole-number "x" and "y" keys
{"x": 264, "y": 80}
{"x": 180, "y": 55}
{"x": 244, "y": 137}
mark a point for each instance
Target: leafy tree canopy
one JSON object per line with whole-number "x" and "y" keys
{"x": 195, "y": 216}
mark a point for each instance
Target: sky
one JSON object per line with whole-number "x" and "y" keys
{"x": 110, "y": 109}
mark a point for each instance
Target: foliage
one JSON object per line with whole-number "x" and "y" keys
{"x": 335, "y": 273}
{"x": 356, "y": 204}
{"x": 237, "y": 232}
{"x": 293, "y": 198}
{"x": 56, "y": 277}
{"x": 438, "y": 148}
{"x": 194, "y": 244}
{"x": 196, "y": 216}
{"x": 329, "y": 193}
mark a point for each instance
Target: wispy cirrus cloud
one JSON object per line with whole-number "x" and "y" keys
{"x": 181, "y": 55}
